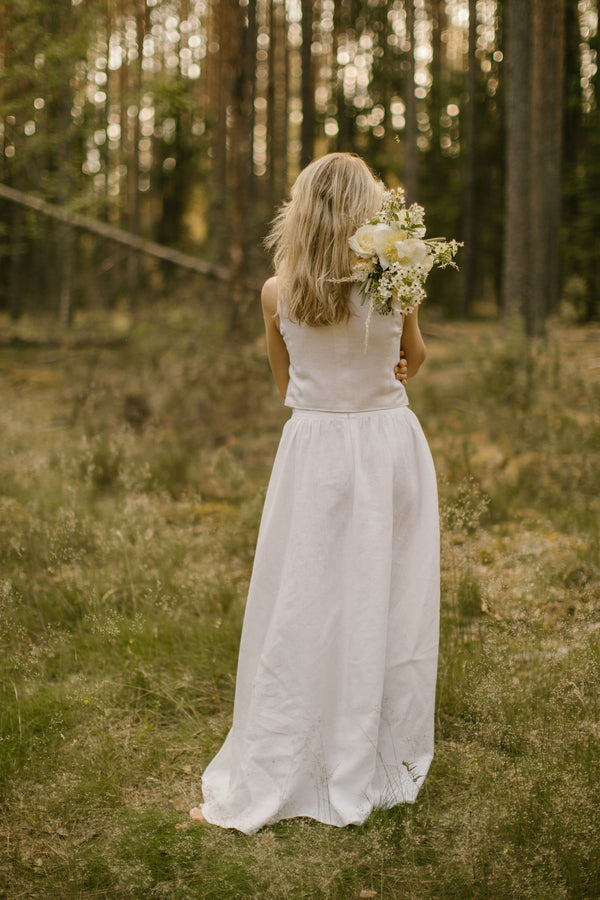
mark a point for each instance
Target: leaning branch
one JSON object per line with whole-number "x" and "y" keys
{"x": 116, "y": 234}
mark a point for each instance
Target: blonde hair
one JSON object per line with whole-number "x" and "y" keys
{"x": 330, "y": 199}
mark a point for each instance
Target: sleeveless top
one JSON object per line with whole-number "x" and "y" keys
{"x": 332, "y": 371}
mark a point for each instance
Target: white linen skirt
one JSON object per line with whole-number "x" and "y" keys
{"x": 335, "y": 691}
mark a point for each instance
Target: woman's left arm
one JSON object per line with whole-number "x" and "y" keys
{"x": 279, "y": 359}
{"x": 412, "y": 343}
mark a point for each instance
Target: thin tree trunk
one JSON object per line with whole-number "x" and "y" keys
{"x": 516, "y": 261}
{"x": 277, "y": 103}
{"x": 285, "y": 62}
{"x": 435, "y": 94}
{"x": 470, "y": 162}
{"x": 242, "y": 72}
{"x": 411, "y": 157}
{"x": 133, "y": 168}
{"x": 271, "y": 103}
{"x": 545, "y": 158}
{"x": 220, "y": 98}
{"x": 250, "y": 69}
{"x": 105, "y": 150}
{"x": 15, "y": 285}
{"x": 63, "y": 25}
{"x": 65, "y": 309}
{"x": 307, "y": 86}
{"x": 123, "y": 126}
{"x": 342, "y": 22}
{"x": 12, "y": 264}
{"x": 281, "y": 74}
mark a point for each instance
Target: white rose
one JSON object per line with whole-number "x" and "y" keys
{"x": 411, "y": 252}
{"x": 386, "y": 238}
{"x": 362, "y": 241}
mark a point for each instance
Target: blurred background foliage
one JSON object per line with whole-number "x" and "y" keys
{"x": 186, "y": 121}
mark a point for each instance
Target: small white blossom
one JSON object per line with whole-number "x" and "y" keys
{"x": 416, "y": 214}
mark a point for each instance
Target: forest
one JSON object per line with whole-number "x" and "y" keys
{"x": 145, "y": 145}
{"x": 184, "y": 123}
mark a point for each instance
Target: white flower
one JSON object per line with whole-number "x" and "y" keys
{"x": 428, "y": 263}
{"x": 385, "y": 239}
{"x": 416, "y": 214}
{"x": 403, "y": 218}
{"x": 361, "y": 267}
{"x": 362, "y": 241}
{"x": 392, "y": 258}
{"x": 411, "y": 252}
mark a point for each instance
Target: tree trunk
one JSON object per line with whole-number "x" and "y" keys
{"x": 219, "y": 93}
{"x": 15, "y": 284}
{"x": 469, "y": 170}
{"x": 548, "y": 32}
{"x": 240, "y": 156}
{"x": 65, "y": 308}
{"x": 341, "y": 24}
{"x": 277, "y": 111}
{"x": 10, "y": 239}
{"x": 307, "y": 86}
{"x": 271, "y": 88}
{"x": 133, "y": 166}
{"x": 62, "y": 24}
{"x": 515, "y": 281}
{"x": 250, "y": 69}
{"x": 411, "y": 156}
{"x": 435, "y": 94}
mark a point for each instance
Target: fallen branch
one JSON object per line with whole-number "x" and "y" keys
{"x": 112, "y": 233}
{"x": 68, "y": 341}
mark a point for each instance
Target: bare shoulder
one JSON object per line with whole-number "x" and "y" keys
{"x": 268, "y": 296}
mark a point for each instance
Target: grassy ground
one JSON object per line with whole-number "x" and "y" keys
{"x": 132, "y": 475}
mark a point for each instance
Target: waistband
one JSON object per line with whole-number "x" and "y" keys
{"x": 298, "y": 412}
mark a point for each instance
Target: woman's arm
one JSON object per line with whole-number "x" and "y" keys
{"x": 279, "y": 359}
{"x": 412, "y": 343}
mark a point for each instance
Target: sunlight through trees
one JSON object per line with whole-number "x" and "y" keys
{"x": 185, "y": 121}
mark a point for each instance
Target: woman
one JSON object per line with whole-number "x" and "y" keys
{"x": 334, "y": 701}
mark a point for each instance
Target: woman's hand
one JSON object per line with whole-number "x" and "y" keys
{"x": 401, "y": 370}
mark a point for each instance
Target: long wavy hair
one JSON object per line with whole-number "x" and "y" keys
{"x": 330, "y": 199}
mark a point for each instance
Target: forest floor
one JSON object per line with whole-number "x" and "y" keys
{"x": 134, "y": 462}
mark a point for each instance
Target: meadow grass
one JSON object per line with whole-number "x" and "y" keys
{"x": 132, "y": 478}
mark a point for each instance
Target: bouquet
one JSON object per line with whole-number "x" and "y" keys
{"x": 391, "y": 257}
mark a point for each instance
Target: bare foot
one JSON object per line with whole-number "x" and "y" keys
{"x": 197, "y": 814}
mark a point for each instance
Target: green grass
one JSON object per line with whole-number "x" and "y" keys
{"x": 132, "y": 479}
